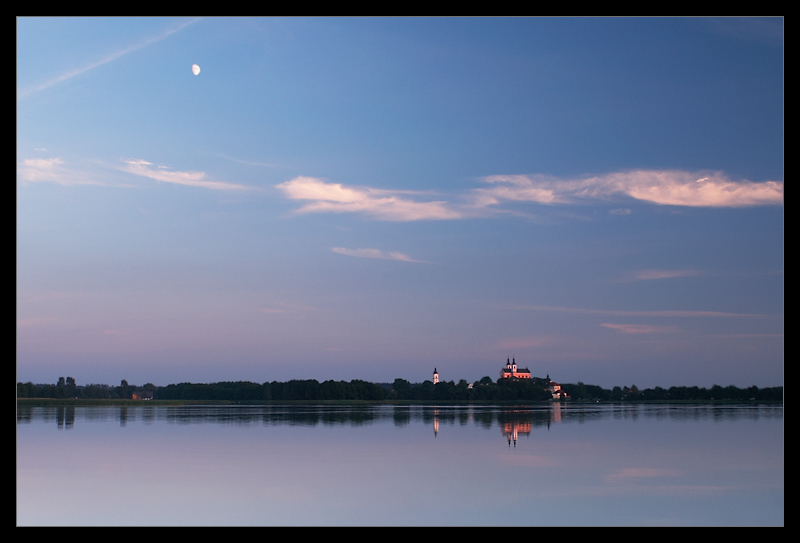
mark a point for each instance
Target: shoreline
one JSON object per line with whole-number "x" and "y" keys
{"x": 66, "y": 402}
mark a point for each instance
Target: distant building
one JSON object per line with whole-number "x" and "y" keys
{"x": 555, "y": 390}
{"x": 435, "y": 376}
{"x": 512, "y": 372}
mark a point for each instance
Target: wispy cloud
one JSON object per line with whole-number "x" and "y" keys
{"x": 192, "y": 179}
{"x": 657, "y": 313}
{"x": 522, "y": 342}
{"x": 626, "y": 475}
{"x": 375, "y": 253}
{"x": 663, "y": 187}
{"x": 531, "y": 461}
{"x": 620, "y": 211}
{"x": 647, "y": 275}
{"x": 748, "y": 336}
{"x": 105, "y": 60}
{"x": 379, "y": 204}
{"x": 35, "y": 321}
{"x": 639, "y": 328}
{"x": 53, "y": 170}
{"x": 247, "y": 162}
{"x": 38, "y": 296}
{"x": 518, "y": 188}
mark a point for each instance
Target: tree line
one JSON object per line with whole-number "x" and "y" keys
{"x": 67, "y": 388}
{"x": 633, "y": 394}
{"x": 486, "y": 389}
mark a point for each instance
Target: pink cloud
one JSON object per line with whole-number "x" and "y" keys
{"x": 663, "y": 187}
{"x": 379, "y": 204}
{"x": 626, "y": 475}
{"x": 645, "y": 275}
{"x": 639, "y": 328}
{"x": 192, "y": 179}
{"x": 374, "y": 253}
{"x": 656, "y": 313}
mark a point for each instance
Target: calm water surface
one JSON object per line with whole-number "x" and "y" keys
{"x": 400, "y": 465}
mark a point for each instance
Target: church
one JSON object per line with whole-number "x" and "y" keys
{"x": 512, "y": 372}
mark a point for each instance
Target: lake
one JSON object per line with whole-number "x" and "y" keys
{"x": 559, "y": 465}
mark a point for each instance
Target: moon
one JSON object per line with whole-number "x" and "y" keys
{"x": 195, "y": 69}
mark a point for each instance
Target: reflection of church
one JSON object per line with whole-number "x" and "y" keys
{"x": 513, "y": 428}
{"x": 517, "y": 422}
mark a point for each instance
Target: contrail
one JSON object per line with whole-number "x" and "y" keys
{"x": 107, "y": 59}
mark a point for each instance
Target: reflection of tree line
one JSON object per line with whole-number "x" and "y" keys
{"x": 511, "y": 421}
{"x": 283, "y": 415}
{"x": 303, "y": 416}
{"x": 484, "y": 390}
{"x": 63, "y": 416}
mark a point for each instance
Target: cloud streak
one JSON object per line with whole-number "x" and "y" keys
{"x": 647, "y": 275}
{"x": 662, "y": 187}
{"x": 52, "y": 170}
{"x": 627, "y": 475}
{"x": 105, "y": 60}
{"x": 522, "y": 342}
{"x": 639, "y": 328}
{"x": 657, "y": 313}
{"x": 247, "y": 162}
{"x": 379, "y": 204}
{"x": 191, "y": 179}
{"x": 375, "y": 253}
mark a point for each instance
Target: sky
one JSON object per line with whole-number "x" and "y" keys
{"x": 333, "y": 198}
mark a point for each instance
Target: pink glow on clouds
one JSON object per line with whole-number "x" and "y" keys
{"x": 375, "y": 253}
{"x": 522, "y": 342}
{"x": 640, "y": 328}
{"x": 52, "y": 170}
{"x": 663, "y": 187}
{"x": 645, "y": 275}
{"x": 627, "y": 475}
{"x": 667, "y": 187}
{"x": 379, "y": 204}
{"x": 192, "y": 179}
{"x": 655, "y": 313}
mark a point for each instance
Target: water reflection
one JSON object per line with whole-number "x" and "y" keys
{"x": 512, "y": 421}
{"x": 560, "y": 464}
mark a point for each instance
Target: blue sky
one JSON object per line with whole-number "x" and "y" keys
{"x": 370, "y": 198}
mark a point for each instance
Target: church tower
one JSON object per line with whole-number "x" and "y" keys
{"x": 435, "y": 376}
